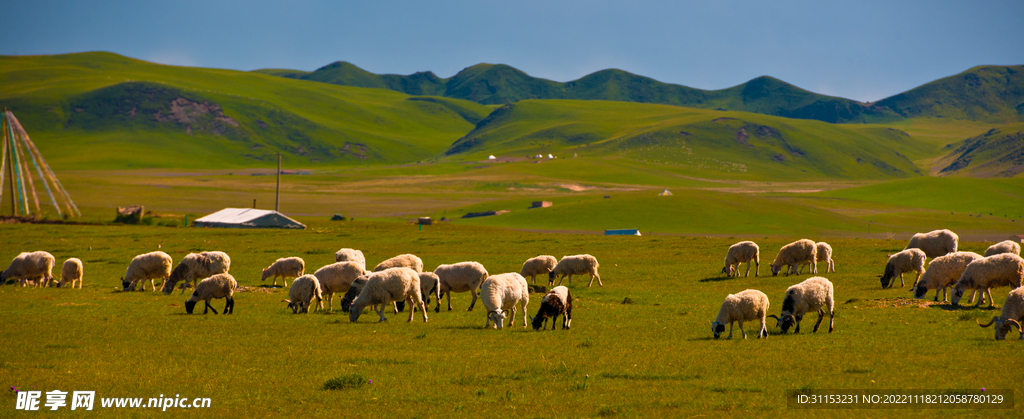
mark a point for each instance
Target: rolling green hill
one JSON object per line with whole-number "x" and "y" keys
{"x": 997, "y": 153}
{"x": 984, "y": 93}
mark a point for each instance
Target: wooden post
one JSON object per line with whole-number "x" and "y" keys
{"x": 277, "y": 195}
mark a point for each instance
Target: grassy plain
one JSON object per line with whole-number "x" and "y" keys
{"x": 653, "y": 356}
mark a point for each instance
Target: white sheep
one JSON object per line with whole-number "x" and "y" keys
{"x": 221, "y": 285}
{"x": 291, "y": 267}
{"x": 934, "y": 243}
{"x": 501, "y": 293}
{"x": 795, "y": 254}
{"x": 575, "y": 265}
{"x": 430, "y": 284}
{"x": 539, "y": 265}
{"x": 36, "y": 267}
{"x": 899, "y": 263}
{"x": 943, "y": 272}
{"x": 741, "y": 252}
{"x": 350, "y": 255}
{"x": 747, "y": 305}
{"x": 195, "y": 266}
{"x": 1012, "y": 316}
{"x": 987, "y": 273}
{"x": 151, "y": 266}
{"x": 814, "y": 294}
{"x": 407, "y": 261}
{"x": 824, "y": 254}
{"x": 302, "y": 292}
{"x": 337, "y": 278}
{"x": 389, "y": 285}
{"x": 460, "y": 277}
{"x": 558, "y": 301}
{"x": 1005, "y": 246}
{"x": 71, "y": 271}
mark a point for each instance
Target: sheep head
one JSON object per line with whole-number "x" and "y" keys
{"x": 176, "y": 275}
{"x": 785, "y": 322}
{"x": 921, "y": 290}
{"x": 355, "y": 310}
{"x": 1002, "y": 328}
{"x": 776, "y": 269}
{"x": 728, "y": 270}
{"x": 958, "y": 293}
{"x": 191, "y": 303}
{"x": 889, "y": 275}
{"x": 498, "y": 317}
{"x": 717, "y": 328}
{"x": 540, "y": 320}
{"x": 125, "y": 284}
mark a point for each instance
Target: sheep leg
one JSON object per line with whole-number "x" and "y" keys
{"x": 831, "y": 320}
{"x": 208, "y": 306}
{"x": 412, "y": 307}
{"x": 748, "y": 269}
{"x": 798, "y": 319}
{"x": 742, "y": 330}
{"x": 380, "y": 311}
{"x": 763, "y": 332}
{"x": 230, "y": 306}
{"x": 595, "y": 275}
{"x": 730, "y": 331}
{"x": 512, "y": 315}
{"x": 472, "y": 303}
{"x": 821, "y": 316}
{"x": 989, "y": 292}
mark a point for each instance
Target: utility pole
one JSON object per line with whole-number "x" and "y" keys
{"x": 277, "y": 197}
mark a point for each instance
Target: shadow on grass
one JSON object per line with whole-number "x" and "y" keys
{"x": 718, "y": 278}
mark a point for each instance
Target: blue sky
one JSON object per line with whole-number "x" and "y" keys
{"x": 863, "y": 50}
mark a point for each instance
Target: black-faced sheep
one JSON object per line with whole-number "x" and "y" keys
{"x": 557, "y": 302}
{"x": 386, "y": 286}
{"x": 151, "y": 266}
{"x": 407, "y": 261}
{"x": 943, "y": 272}
{"x": 795, "y": 254}
{"x": 899, "y": 263}
{"x": 1005, "y": 246}
{"x": 35, "y": 267}
{"x": 539, "y": 265}
{"x": 460, "y": 277}
{"x": 337, "y": 278}
{"x": 501, "y": 293}
{"x": 575, "y": 265}
{"x": 302, "y": 292}
{"x": 987, "y": 273}
{"x": 747, "y": 305}
{"x": 1012, "y": 316}
{"x": 934, "y": 243}
{"x": 217, "y": 286}
{"x": 814, "y": 294}
{"x": 195, "y": 266}
{"x": 71, "y": 271}
{"x": 352, "y": 293}
{"x": 741, "y": 252}
{"x": 292, "y": 267}
{"x": 350, "y": 255}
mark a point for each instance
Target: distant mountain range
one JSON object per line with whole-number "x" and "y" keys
{"x": 984, "y": 93}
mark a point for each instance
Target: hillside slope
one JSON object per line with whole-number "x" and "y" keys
{"x": 997, "y": 153}
{"x": 985, "y": 93}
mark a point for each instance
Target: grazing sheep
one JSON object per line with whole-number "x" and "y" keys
{"x": 221, "y": 285}
{"x": 389, "y": 285}
{"x": 285, "y": 268}
{"x": 745, "y": 305}
{"x": 824, "y": 252}
{"x": 558, "y": 301}
{"x": 407, "y": 260}
{"x": 28, "y": 266}
{"x": 350, "y": 255}
{"x": 501, "y": 293}
{"x": 539, "y": 265}
{"x": 1005, "y": 246}
{"x": 460, "y": 277}
{"x": 71, "y": 271}
{"x": 352, "y": 293}
{"x": 795, "y": 254}
{"x": 430, "y": 285}
{"x": 905, "y": 261}
{"x": 814, "y": 294}
{"x": 575, "y": 265}
{"x": 1013, "y": 314}
{"x": 337, "y": 278}
{"x": 987, "y": 273}
{"x": 151, "y": 266}
{"x": 943, "y": 272}
{"x": 195, "y": 266}
{"x": 300, "y": 296}
{"x": 934, "y": 243}
{"x": 739, "y": 253}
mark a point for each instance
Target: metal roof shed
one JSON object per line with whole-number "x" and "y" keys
{"x": 248, "y": 218}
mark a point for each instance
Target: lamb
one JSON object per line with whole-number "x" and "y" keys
{"x": 539, "y": 265}
{"x": 943, "y": 272}
{"x": 407, "y": 260}
{"x": 221, "y": 285}
{"x": 151, "y": 266}
{"x": 824, "y": 252}
{"x": 285, "y": 268}
{"x": 795, "y": 254}
{"x": 934, "y": 243}
{"x": 739, "y": 253}
{"x": 905, "y": 261}
{"x": 350, "y": 255}
{"x": 195, "y": 266}
{"x": 1013, "y": 315}
{"x": 745, "y": 305}
{"x": 987, "y": 273}
{"x": 1005, "y": 246}
{"x": 337, "y": 278}
{"x": 460, "y": 277}
{"x": 386, "y": 286}
{"x": 501, "y": 293}
{"x": 575, "y": 265}
{"x": 71, "y": 271}
{"x": 558, "y": 301}
{"x": 814, "y": 294}
{"x": 300, "y": 296}
{"x": 28, "y": 266}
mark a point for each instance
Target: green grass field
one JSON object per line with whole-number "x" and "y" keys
{"x": 653, "y": 356}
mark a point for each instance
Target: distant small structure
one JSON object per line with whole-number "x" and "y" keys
{"x": 491, "y": 157}
{"x": 539, "y": 156}
{"x": 484, "y": 214}
{"x": 550, "y": 156}
{"x": 665, "y": 193}
{"x": 131, "y": 214}
{"x": 424, "y": 221}
{"x": 626, "y": 232}
{"x": 248, "y": 218}
{"x": 338, "y": 217}
{"x": 541, "y": 204}
{"x": 607, "y": 196}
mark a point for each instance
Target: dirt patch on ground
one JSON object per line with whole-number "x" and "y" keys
{"x": 575, "y": 187}
{"x": 889, "y": 303}
{"x": 264, "y": 290}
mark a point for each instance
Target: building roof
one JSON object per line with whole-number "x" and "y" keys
{"x": 248, "y": 218}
